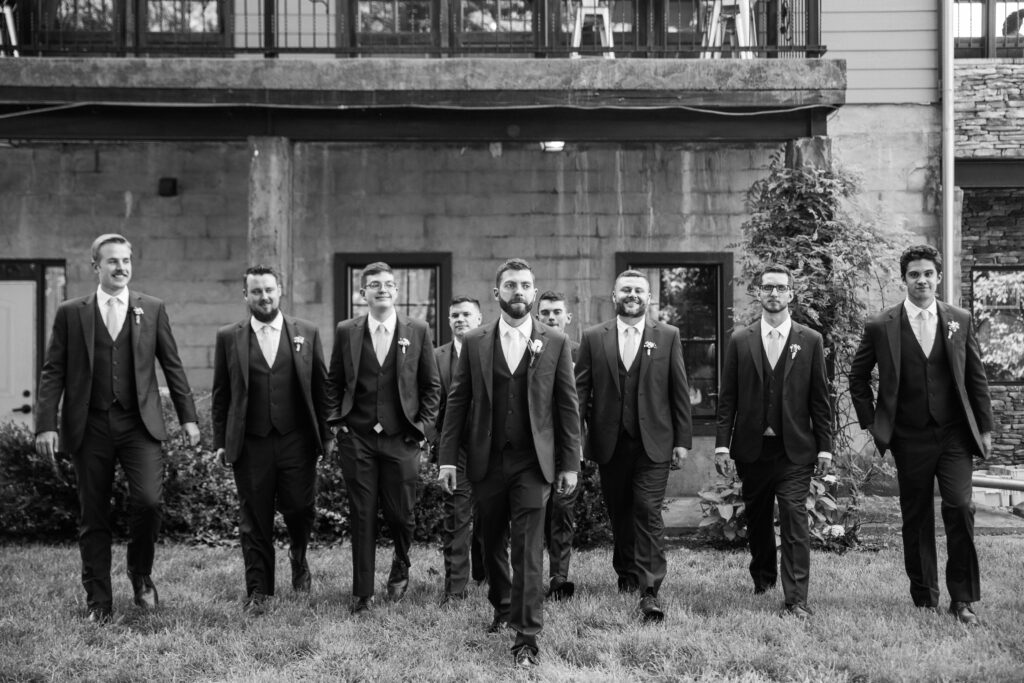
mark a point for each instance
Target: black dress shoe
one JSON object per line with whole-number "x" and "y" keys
{"x": 361, "y": 605}
{"x": 798, "y": 610}
{"x": 628, "y": 584}
{"x": 525, "y": 657}
{"x": 650, "y": 610}
{"x": 449, "y": 599}
{"x": 100, "y": 615}
{"x": 145, "y": 591}
{"x": 302, "y": 580}
{"x": 560, "y": 589}
{"x": 963, "y": 613}
{"x": 396, "y": 589}
{"x": 497, "y": 625}
{"x": 256, "y": 604}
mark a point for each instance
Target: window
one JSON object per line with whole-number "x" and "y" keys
{"x": 688, "y": 291}
{"x": 997, "y": 296}
{"x": 424, "y": 287}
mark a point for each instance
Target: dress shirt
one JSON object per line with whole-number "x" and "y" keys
{"x": 457, "y": 345}
{"x": 388, "y": 324}
{"x": 103, "y": 302}
{"x": 924, "y": 330}
{"x": 639, "y": 327}
{"x": 525, "y": 331}
{"x": 272, "y": 340}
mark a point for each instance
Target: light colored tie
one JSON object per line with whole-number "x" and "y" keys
{"x": 774, "y": 347}
{"x": 630, "y": 346}
{"x": 266, "y": 344}
{"x": 113, "y": 322}
{"x": 925, "y": 335}
{"x": 380, "y": 343}
{"x": 513, "y": 349}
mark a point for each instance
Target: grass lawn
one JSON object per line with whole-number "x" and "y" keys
{"x": 864, "y": 629}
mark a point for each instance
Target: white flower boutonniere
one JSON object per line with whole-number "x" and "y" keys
{"x": 137, "y": 311}
{"x": 298, "y": 341}
{"x": 535, "y": 347}
{"x": 793, "y": 350}
{"x": 404, "y": 344}
{"x": 649, "y": 346}
{"x": 952, "y": 326}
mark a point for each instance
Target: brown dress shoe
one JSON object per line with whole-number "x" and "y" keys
{"x": 650, "y": 610}
{"x": 145, "y": 592}
{"x": 963, "y": 613}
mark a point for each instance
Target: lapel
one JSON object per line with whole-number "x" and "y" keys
{"x": 87, "y": 315}
{"x": 755, "y": 346}
{"x": 892, "y": 331}
{"x": 135, "y": 331}
{"x": 534, "y": 390}
{"x": 242, "y": 349}
{"x": 645, "y": 354}
{"x": 355, "y": 342}
{"x": 943, "y": 335}
{"x": 796, "y": 335}
{"x": 611, "y": 350}
{"x": 402, "y": 331}
{"x": 486, "y": 354}
{"x": 301, "y": 361}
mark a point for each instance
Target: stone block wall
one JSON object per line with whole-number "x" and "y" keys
{"x": 989, "y": 108}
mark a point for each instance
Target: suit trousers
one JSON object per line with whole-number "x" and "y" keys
{"x": 559, "y": 530}
{"x": 771, "y": 477}
{"x": 922, "y": 456}
{"x": 378, "y": 467}
{"x": 111, "y": 436}
{"x": 633, "y": 486}
{"x": 463, "y": 554}
{"x": 281, "y": 469}
{"x": 512, "y": 498}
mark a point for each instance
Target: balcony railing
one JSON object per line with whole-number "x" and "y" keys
{"x": 988, "y": 28}
{"x": 428, "y": 28}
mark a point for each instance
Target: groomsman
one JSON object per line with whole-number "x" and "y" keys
{"x": 384, "y": 391}
{"x": 269, "y": 426}
{"x": 933, "y": 412}
{"x": 101, "y": 359}
{"x": 561, "y": 510}
{"x": 462, "y": 550}
{"x": 775, "y": 421}
{"x": 635, "y": 403}
{"x": 513, "y": 409}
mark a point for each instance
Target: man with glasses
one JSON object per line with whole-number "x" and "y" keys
{"x": 774, "y": 420}
{"x": 383, "y": 389}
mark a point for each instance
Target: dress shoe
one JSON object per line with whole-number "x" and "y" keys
{"x": 525, "y": 657}
{"x": 255, "y": 604}
{"x": 302, "y": 580}
{"x": 762, "y": 588}
{"x": 798, "y": 610}
{"x": 498, "y": 624}
{"x": 560, "y": 589}
{"x": 361, "y": 605}
{"x": 650, "y": 610}
{"x": 628, "y": 584}
{"x": 449, "y": 599}
{"x": 396, "y": 589}
{"x": 145, "y": 591}
{"x": 100, "y": 615}
{"x": 963, "y": 613}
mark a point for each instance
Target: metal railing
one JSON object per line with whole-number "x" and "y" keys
{"x": 988, "y": 28}
{"x": 428, "y": 28}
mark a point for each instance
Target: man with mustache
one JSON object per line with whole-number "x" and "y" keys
{"x": 933, "y": 412}
{"x": 512, "y": 409}
{"x": 101, "y": 359}
{"x": 383, "y": 390}
{"x": 635, "y": 404}
{"x": 462, "y": 550}
{"x": 269, "y": 426}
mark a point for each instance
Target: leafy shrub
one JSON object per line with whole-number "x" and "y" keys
{"x": 33, "y": 500}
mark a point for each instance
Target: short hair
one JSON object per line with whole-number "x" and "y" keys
{"x": 373, "y": 269}
{"x": 464, "y": 300}
{"x": 108, "y": 238}
{"x": 775, "y": 268}
{"x": 511, "y": 264}
{"x": 919, "y": 252}
{"x": 259, "y": 269}
{"x": 631, "y": 272}
{"x": 551, "y": 295}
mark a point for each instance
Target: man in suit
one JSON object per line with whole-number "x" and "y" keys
{"x": 462, "y": 550}
{"x": 635, "y": 404}
{"x": 933, "y": 412}
{"x": 560, "y": 524}
{"x": 512, "y": 409}
{"x": 384, "y": 392}
{"x": 101, "y": 359}
{"x": 269, "y": 426}
{"x": 775, "y": 421}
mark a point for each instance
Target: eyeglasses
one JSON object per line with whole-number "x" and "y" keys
{"x": 768, "y": 289}
{"x": 381, "y": 285}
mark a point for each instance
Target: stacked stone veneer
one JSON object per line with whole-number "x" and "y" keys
{"x": 990, "y": 108}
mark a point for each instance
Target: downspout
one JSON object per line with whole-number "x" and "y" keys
{"x": 951, "y": 274}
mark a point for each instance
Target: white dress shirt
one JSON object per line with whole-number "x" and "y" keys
{"x": 622, "y": 327}
{"x": 457, "y": 345}
{"x": 924, "y": 330}
{"x": 389, "y": 325}
{"x": 272, "y": 341}
{"x": 525, "y": 330}
{"x": 103, "y": 303}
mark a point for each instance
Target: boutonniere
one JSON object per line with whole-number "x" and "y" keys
{"x": 535, "y": 347}
{"x": 298, "y": 341}
{"x": 952, "y": 326}
{"x": 649, "y": 346}
{"x": 138, "y": 314}
{"x": 404, "y": 344}
{"x": 793, "y": 350}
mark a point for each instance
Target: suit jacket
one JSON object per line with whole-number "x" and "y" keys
{"x": 663, "y": 395}
{"x": 444, "y": 356}
{"x": 231, "y": 382}
{"x": 418, "y": 384}
{"x": 806, "y": 409}
{"x": 554, "y": 411}
{"x": 67, "y": 369}
{"x": 880, "y": 346}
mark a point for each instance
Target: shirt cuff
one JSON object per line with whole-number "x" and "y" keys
{"x": 825, "y": 454}
{"x": 446, "y": 467}
{"x": 722, "y": 449}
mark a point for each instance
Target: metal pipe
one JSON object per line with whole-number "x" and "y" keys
{"x": 997, "y": 483}
{"x": 950, "y": 254}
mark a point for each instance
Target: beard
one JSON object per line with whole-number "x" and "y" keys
{"x": 262, "y": 316}
{"x": 517, "y": 308}
{"x": 620, "y": 307}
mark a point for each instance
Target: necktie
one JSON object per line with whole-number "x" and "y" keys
{"x": 380, "y": 343}
{"x": 774, "y": 347}
{"x": 513, "y": 349}
{"x": 266, "y": 344}
{"x": 113, "y": 323}
{"x": 924, "y": 334}
{"x": 629, "y": 347}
